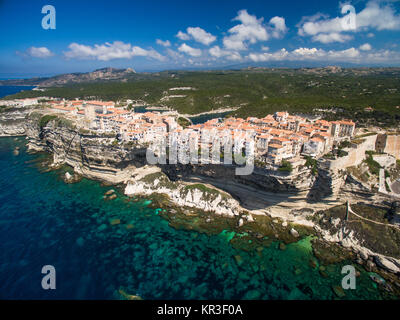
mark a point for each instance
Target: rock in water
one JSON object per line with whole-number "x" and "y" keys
{"x": 294, "y": 233}
{"x": 126, "y": 296}
{"x": 80, "y": 242}
{"x": 112, "y": 197}
{"x": 240, "y": 222}
{"x": 252, "y": 295}
{"x": 338, "y": 291}
{"x": 68, "y": 176}
{"x": 239, "y": 260}
{"x": 109, "y": 192}
{"x": 114, "y": 222}
{"x": 312, "y": 263}
{"x": 282, "y": 246}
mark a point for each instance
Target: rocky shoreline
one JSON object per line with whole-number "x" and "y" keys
{"x": 99, "y": 158}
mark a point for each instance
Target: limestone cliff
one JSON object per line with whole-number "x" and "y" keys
{"x": 91, "y": 155}
{"x": 12, "y": 121}
{"x": 185, "y": 195}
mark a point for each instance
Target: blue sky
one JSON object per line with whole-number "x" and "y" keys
{"x": 157, "y": 35}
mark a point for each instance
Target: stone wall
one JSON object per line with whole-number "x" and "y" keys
{"x": 355, "y": 156}
{"x": 393, "y": 145}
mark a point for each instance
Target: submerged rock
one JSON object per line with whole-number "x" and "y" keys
{"x": 114, "y": 222}
{"x": 109, "y": 192}
{"x": 127, "y": 296}
{"x": 339, "y": 291}
{"x": 239, "y": 260}
{"x": 294, "y": 233}
{"x": 252, "y": 295}
{"x": 282, "y": 246}
{"x": 80, "y": 241}
{"x": 112, "y": 197}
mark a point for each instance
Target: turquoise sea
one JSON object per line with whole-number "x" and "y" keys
{"x": 44, "y": 221}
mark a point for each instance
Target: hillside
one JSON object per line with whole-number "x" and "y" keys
{"x": 257, "y": 91}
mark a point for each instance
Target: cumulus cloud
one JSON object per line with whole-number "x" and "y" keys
{"x": 351, "y": 55}
{"x": 201, "y": 35}
{"x": 332, "y": 37}
{"x": 189, "y": 50}
{"x": 197, "y": 34}
{"x": 37, "y": 52}
{"x": 217, "y": 52}
{"x": 276, "y": 56}
{"x": 251, "y": 30}
{"x": 165, "y": 43}
{"x": 366, "y": 47}
{"x": 279, "y": 27}
{"x": 376, "y": 15}
{"x": 183, "y": 36}
{"x": 109, "y": 51}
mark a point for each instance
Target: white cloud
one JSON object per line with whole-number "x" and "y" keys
{"x": 39, "y": 52}
{"x": 301, "y": 54}
{"x": 331, "y": 37}
{"x": 365, "y": 47}
{"x": 250, "y": 30}
{"x": 370, "y": 35}
{"x": 265, "y": 48}
{"x": 279, "y": 27}
{"x": 201, "y": 35}
{"x": 165, "y": 43}
{"x": 189, "y": 50}
{"x": 217, "y": 52}
{"x": 183, "y": 36}
{"x": 174, "y": 55}
{"x": 109, "y": 51}
{"x": 376, "y": 15}
{"x": 276, "y": 56}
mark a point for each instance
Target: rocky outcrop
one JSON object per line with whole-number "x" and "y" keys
{"x": 92, "y": 156}
{"x": 185, "y": 195}
{"x": 12, "y": 121}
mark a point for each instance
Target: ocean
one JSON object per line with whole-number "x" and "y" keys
{"x": 99, "y": 246}
{"x": 7, "y": 90}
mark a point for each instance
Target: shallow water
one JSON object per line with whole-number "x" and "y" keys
{"x": 44, "y": 221}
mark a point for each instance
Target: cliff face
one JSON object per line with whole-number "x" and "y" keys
{"x": 92, "y": 156}
{"x": 185, "y": 195}
{"x": 12, "y": 121}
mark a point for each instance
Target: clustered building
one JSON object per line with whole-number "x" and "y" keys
{"x": 274, "y": 138}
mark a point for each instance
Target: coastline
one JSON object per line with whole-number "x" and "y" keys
{"x": 249, "y": 236}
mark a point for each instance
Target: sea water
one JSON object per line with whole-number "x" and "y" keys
{"x": 44, "y": 221}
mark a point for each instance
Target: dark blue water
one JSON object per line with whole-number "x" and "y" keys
{"x": 195, "y": 120}
{"x": 7, "y": 90}
{"x": 44, "y": 221}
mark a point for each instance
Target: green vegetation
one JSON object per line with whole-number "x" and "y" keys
{"x": 44, "y": 120}
{"x": 342, "y": 153}
{"x": 345, "y": 144}
{"x": 258, "y": 92}
{"x": 313, "y": 164}
{"x": 66, "y": 123}
{"x": 373, "y": 166}
{"x": 183, "y": 122}
{"x": 378, "y": 238}
{"x": 285, "y": 166}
